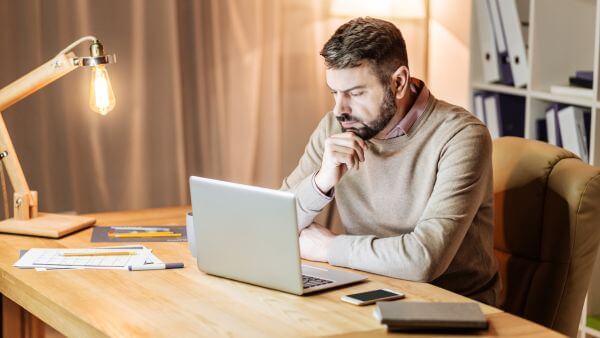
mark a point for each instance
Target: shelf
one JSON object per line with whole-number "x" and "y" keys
{"x": 556, "y": 49}
{"x": 578, "y": 101}
{"x": 493, "y": 87}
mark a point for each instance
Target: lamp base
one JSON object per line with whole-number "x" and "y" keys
{"x": 46, "y": 225}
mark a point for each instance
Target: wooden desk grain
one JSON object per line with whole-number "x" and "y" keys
{"x": 188, "y": 303}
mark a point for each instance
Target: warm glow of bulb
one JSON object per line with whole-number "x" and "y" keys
{"x": 102, "y": 98}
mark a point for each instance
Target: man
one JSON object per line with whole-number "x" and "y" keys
{"x": 411, "y": 175}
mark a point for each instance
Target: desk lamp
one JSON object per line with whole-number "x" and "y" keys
{"x": 27, "y": 220}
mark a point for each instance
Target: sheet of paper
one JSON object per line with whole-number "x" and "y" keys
{"x": 150, "y": 258}
{"x": 53, "y": 258}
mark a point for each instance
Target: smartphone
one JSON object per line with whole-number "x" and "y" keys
{"x": 370, "y": 297}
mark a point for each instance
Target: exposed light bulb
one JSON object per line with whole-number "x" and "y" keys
{"x": 102, "y": 98}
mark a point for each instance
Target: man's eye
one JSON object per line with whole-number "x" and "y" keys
{"x": 356, "y": 93}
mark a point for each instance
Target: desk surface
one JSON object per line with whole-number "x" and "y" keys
{"x": 187, "y": 302}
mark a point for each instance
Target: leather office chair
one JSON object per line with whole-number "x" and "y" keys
{"x": 547, "y": 229}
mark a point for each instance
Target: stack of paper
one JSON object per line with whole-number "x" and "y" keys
{"x": 116, "y": 257}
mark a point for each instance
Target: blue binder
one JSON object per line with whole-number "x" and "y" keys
{"x": 510, "y": 111}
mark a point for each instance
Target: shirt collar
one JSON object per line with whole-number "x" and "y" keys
{"x": 417, "y": 87}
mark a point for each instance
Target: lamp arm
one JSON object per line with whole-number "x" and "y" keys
{"x": 64, "y": 62}
{"x": 28, "y": 84}
{"x": 35, "y": 80}
{"x": 25, "y": 201}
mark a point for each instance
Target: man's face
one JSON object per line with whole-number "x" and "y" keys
{"x": 362, "y": 104}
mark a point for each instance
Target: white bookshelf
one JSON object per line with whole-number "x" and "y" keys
{"x": 563, "y": 36}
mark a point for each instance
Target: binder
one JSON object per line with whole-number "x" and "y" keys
{"x": 573, "y": 131}
{"x": 492, "y": 115}
{"x": 552, "y": 125}
{"x": 511, "y": 25}
{"x": 478, "y": 106}
{"x": 489, "y": 56}
{"x": 506, "y": 76}
{"x": 505, "y": 115}
{"x": 541, "y": 130}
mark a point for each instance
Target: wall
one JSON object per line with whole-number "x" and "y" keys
{"x": 449, "y": 41}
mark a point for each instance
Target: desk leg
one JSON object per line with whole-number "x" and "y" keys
{"x": 18, "y": 323}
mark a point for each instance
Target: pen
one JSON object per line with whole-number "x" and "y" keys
{"x": 109, "y": 253}
{"x": 144, "y": 234}
{"x": 156, "y": 266}
{"x": 140, "y": 228}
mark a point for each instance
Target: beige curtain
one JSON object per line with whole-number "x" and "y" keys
{"x": 226, "y": 89}
{"x": 229, "y": 89}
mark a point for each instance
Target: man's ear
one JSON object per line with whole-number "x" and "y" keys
{"x": 400, "y": 82}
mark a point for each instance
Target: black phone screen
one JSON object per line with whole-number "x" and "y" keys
{"x": 370, "y": 295}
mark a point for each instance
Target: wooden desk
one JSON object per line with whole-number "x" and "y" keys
{"x": 189, "y": 303}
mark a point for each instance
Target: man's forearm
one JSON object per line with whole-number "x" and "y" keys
{"x": 421, "y": 255}
{"x": 310, "y": 201}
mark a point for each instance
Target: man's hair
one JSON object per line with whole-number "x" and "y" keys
{"x": 367, "y": 39}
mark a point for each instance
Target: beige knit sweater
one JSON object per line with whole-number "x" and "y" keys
{"x": 420, "y": 206}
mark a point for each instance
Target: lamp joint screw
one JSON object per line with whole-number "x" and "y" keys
{"x": 18, "y": 202}
{"x": 3, "y": 154}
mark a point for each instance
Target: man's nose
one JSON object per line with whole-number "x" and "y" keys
{"x": 341, "y": 106}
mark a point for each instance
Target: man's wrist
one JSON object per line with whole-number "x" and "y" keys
{"x": 328, "y": 245}
{"x": 323, "y": 188}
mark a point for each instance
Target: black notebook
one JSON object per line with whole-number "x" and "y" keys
{"x": 411, "y": 316}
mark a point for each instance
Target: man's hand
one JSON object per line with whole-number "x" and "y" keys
{"x": 315, "y": 241}
{"x": 342, "y": 151}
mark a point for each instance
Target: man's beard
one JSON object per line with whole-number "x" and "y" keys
{"x": 387, "y": 111}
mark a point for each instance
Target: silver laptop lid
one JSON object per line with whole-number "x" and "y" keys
{"x": 246, "y": 233}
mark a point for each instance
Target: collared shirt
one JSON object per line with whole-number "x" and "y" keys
{"x": 417, "y": 87}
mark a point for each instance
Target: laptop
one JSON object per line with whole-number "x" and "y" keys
{"x": 250, "y": 234}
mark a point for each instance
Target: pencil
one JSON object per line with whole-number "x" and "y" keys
{"x": 142, "y": 228}
{"x": 97, "y": 253}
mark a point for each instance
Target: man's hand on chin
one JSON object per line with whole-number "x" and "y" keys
{"x": 315, "y": 241}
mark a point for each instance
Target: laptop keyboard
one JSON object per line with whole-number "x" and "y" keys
{"x": 311, "y": 282}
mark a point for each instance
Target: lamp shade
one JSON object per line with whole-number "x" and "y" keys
{"x": 407, "y": 9}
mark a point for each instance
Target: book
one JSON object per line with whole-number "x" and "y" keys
{"x": 578, "y": 82}
{"x": 585, "y": 75}
{"x": 571, "y": 91}
{"x": 415, "y": 316}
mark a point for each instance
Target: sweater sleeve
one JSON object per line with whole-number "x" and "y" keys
{"x": 310, "y": 201}
{"x": 463, "y": 177}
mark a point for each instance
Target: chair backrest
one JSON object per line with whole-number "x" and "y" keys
{"x": 546, "y": 230}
